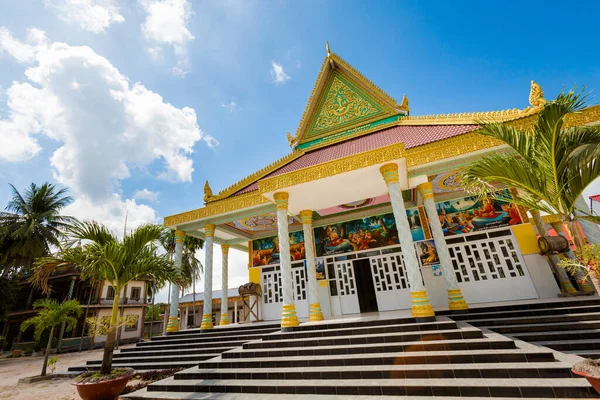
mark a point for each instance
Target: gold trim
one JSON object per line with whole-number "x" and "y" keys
{"x": 208, "y": 194}
{"x": 331, "y": 168}
{"x": 261, "y": 173}
{"x": 426, "y": 190}
{"x": 306, "y": 217}
{"x": 209, "y": 230}
{"x": 404, "y": 104}
{"x": 227, "y": 205}
{"x": 225, "y": 249}
{"x": 390, "y": 173}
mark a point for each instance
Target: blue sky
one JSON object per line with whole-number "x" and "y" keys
{"x": 114, "y": 97}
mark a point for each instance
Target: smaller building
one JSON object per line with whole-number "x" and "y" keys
{"x": 190, "y": 318}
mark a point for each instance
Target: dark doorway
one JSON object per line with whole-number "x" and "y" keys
{"x": 367, "y": 299}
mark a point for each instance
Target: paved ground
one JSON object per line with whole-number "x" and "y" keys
{"x": 11, "y": 370}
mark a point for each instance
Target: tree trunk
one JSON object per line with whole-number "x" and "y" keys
{"x": 85, "y": 316}
{"x": 48, "y": 346}
{"x": 109, "y": 346}
{"x": 168, "y": 310}
{"x": 152, "y": 316}
{"x": 118, "y": 333}
{"x": 579, "y": 243}
{"x": 552, "y": 259}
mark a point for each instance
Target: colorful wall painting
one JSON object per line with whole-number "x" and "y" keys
{"x": 437, "y": 271}
{"x": 470, "y": 214}
{"x": 427, "y": 253}
{"x": 266, "y": 251}
{"x": 418, "y": 230}
{"x": 360, "y": 234}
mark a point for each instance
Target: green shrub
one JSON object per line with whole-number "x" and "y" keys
{"x": 2, "y": 343}
{"x": 28, "y": 351}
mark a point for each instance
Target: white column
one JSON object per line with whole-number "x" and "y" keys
{"x": 207, "y": 321}
{"x": 173, "y": 324}
{"x": 224, "y": 283}
{"x": 313, "y": 286}
{"x": 235, "y": 318}
{"x": 456, "y": 301}
{"x": 590, "y": 229}
{"x": 421, "y": 306}
{"x": 289, "y": 318}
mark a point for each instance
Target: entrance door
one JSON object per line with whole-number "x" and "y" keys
{"x": 347, "y": 287}
{"x": 364, "y": 283}
{"x": 391, "y": 282}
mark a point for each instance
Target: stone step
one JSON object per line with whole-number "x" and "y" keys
{"x": 367, "y": 321}
{"x": 581, "y": 344}
{"x": 489, "y": 323}
{"x": 161, "y": 353}
{"x": 593, "y": 300}
{"x": 167, "y": 359}
{"x": 545, "y": 327}
{"x": 433, "y": 345}
{"x": 402, "y": 358}
{"x": 411, "y": 371}
{"x": 557, "y": 388}
{"x": 527, "y": 313}
{"x": 139, "y": 366}
{"x": 204, "y": 339}
{"x": 367, "y": 330}
{"x": 595, "y": 354}
{"x": 464, "y": 333}
{"x": 227, "y": 328}
{"x": 196, "y": 334}
{"x": 194, "y": 344}
{"x": 557, "y": 335}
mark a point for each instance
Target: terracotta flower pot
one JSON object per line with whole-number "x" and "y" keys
{"x": 105, "y": 390}
{"x": 593, "y": 380}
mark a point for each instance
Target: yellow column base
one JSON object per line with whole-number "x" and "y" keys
{"x": 173, "y": 325}
{"x": 224, "y": 319}
{"x": 289, "y": 318}
{"x": 421, "y": 307}
{"x": 569, "y": 287}
{"x": 456, "y": 301}
{"x": 207, "y": 322}
{"x": 315, "y": 313}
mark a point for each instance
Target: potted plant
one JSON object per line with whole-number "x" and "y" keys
{"x": 52, "y": 314}
{"x": 105, "y": 257}
{"x": 590, "y": 370}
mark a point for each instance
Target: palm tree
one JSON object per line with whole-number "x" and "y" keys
{"x": 52, "y": 315}
{"x": 191, "y": 268}
{"x": 549, "y": 163}
{"x": 31, "y": 225}
{"x": 103, "y": 257}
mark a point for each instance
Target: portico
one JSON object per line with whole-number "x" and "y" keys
{"x": 366, "y": 212}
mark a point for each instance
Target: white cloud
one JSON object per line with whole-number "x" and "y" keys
{"x": 90, "y": 15}
{"x": 146, "y": 194}
{"x": 105, "y": 125}
{"x": 23, "y": 52}
{"x": 278, "y": 74}
{"x": 231, "y": 106}
{"x": 166, "y": 24}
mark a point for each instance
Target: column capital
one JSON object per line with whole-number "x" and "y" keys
{"x": 210, "y": 230}
{"x": 426, "y": 190}
{"x": 281, "y": 200}
{"x": 306, "y": 216}
{"x": 225, "y": 249}
{"x": 390, "y": 173}
{"x": 179, "y": 236}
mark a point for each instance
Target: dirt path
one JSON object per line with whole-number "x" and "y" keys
{"x": 11, "y": 370}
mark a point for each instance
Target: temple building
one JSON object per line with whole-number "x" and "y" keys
{"x": 366, "y": 213}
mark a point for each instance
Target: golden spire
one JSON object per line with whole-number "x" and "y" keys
{"x": 331, "y": 63}
{"x": 207, "y": 192}
{"x": 290, "y": 139}
{"x": 404, "y": 105}
{"x": 536, "y": 95}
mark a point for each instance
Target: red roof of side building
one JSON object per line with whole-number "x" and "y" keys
{"x": 411, "y": 136}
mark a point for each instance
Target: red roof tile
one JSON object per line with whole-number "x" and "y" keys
{"x": 411, "y": 136}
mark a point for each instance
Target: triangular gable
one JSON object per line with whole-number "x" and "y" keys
{"x": 342, "y": 100}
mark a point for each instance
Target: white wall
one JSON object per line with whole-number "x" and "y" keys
{"x": 541, "y": 275}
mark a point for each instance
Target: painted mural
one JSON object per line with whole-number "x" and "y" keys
{"x": 266, "y": 251}
{"x": 470, "y": 214}
{"x": 360, "y": 234}
{"x": 427, "y": 253}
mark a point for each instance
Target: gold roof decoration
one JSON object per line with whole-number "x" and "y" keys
{"x": 291, "y": 139}
{"x": 404, "y": 104}
{"x": 261, "y": 173}
{"x": 208, "y": 194}
{"x": 331, "y": 63}
{"x": 536, "y": 95}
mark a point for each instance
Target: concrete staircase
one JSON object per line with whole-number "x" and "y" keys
{"x": 376, "y": 357}
{"x": 570, "y": 326}
{"x": 184, "y": 349}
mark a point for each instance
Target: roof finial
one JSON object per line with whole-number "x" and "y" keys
{"x": 207, "y": 192}
{"x": 404, "y": 104}
{"x": 327, "y": 48}
{"x": 290, "y": 139}
{"x": 536, "y": 95}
